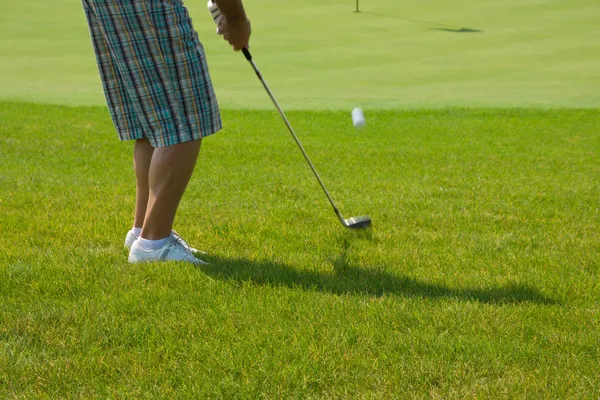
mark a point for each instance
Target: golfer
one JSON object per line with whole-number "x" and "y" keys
{"x": 159, "y": 93}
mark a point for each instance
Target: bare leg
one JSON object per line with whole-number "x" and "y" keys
{"x": 142, "y": 156}
{"x": 170, "y": 171}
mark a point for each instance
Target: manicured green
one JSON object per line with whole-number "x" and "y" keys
{"x": 322, "y": 55}
{"x": 478, "y": 280}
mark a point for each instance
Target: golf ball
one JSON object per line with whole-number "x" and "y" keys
{"x": 358, "y": 118}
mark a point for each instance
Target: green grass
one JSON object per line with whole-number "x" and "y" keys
{"x": 479, "y": 165}
{"x": 322, "y": 55}
{"x": 479, "y": 279}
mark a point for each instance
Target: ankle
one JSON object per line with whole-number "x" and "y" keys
{"x": 154, "y": 234}
{"x": 151, "y": 245}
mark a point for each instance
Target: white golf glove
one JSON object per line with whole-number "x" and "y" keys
{"x": 216, "y": 14}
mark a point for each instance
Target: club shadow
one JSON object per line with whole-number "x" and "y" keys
{"x": 346, "y": 279}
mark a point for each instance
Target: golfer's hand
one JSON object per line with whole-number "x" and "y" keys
{"x": 236, "y": 32}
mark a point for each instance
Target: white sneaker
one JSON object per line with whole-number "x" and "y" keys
{"x": 132, "y": 237}
{"x": 129, "y": 239}
{"x": 173, "y": 250}
{"x": 185, "y": 244}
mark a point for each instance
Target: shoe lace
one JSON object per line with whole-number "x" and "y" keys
{"x": 182, "y": 241}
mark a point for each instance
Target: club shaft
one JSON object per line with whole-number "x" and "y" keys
{"x": 289, "y": 126}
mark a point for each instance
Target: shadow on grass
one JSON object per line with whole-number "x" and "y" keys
{"x": 461, "y": 30}
{"x": 346, "y": 279}
{"x": 448, "y": 28}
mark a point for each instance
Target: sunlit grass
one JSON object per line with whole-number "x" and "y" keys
{"x": 479, "y": 278}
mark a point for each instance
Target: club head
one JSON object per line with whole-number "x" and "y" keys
{"x": 357, "y": 222}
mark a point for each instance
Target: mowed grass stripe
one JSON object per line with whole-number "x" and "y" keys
{"x": 479, "y": 278}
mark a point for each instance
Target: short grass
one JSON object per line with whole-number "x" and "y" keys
{"x": 478, "y": 280}
{"x": 322, "y": 55}
{"x": 480, "y": 166}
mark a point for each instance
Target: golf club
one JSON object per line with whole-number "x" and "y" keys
{"x": 353, "y": 222}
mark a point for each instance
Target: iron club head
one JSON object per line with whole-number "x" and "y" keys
{"x": 357, "y": 222}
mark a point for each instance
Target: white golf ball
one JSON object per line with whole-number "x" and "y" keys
{"x": 358, "y": 118}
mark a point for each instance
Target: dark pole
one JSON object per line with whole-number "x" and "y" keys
{"x": 357, "y": 9}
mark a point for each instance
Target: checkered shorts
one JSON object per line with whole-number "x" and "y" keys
{"x": 153, "y": 70}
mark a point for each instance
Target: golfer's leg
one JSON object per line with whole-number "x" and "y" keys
{"x": 142, "y": 156}
{"x": 170, "y": 171}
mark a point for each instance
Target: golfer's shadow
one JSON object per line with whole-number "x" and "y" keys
{"x": 346, "y": 279}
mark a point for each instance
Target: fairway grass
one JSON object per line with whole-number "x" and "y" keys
{"x": 478, "y": 280}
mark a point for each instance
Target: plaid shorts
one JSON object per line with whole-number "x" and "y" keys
{"x": 153, "y": 70}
